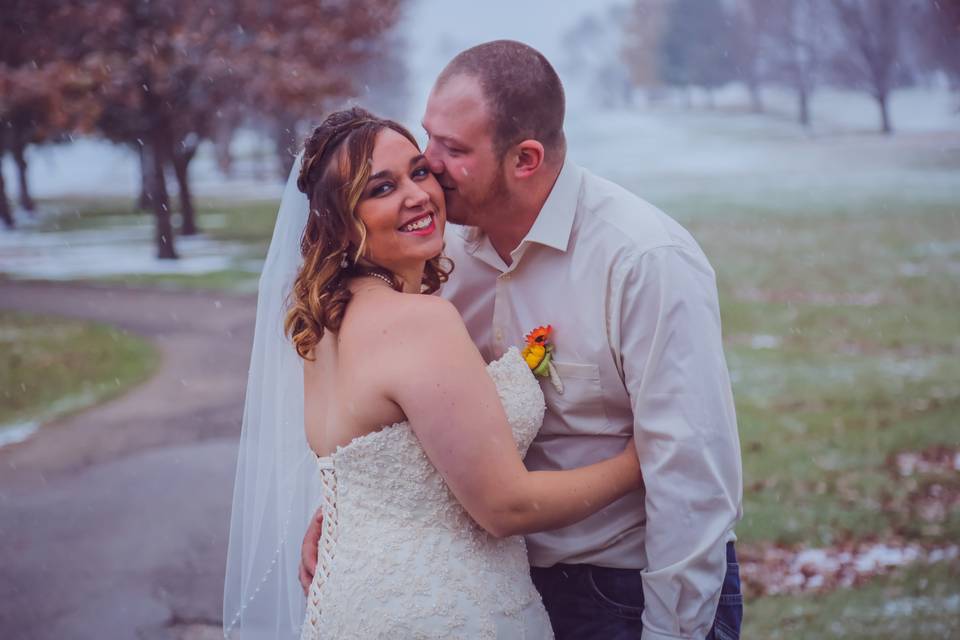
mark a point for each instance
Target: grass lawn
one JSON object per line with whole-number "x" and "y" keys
{"x": 842, "y": 337}
{"x": 52, "y": 366}
{"x": 917, "y": 603}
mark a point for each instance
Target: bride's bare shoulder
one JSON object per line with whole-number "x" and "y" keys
{"x": 428, "y": 318}
{"x": 408, "y": 320}
{"x": 407, "y": 343}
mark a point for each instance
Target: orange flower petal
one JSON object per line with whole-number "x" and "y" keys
{"x": 540, "y": 335}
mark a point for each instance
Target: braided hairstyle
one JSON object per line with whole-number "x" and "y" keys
{"x": 333, "y": 174}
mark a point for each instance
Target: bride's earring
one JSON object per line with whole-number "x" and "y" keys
{"x": 344, "y": 263}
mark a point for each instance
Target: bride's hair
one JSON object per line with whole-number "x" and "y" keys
{"x": 333, "y": 174}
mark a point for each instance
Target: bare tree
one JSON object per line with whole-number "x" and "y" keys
{"x": 299, "y": 57}
{"x": 593, "y": 55}
{"x": 794, "y": 35}
{"x": 6, "y": 216}
{"x": 938, "y": 28}
{"x": 873, "y": 32}
{"x": 44, "y": 92}
{"x": 695, "y": 49}
{"x": 382, "y": 81}
{"x": 643, "y": 26}
{"x": 747, "y": 19}
{"x": 25, "y": 89}
{"x": 136, "y": 42}
{"x": 175, "y": 65}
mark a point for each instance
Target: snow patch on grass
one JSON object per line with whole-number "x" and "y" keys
{"x": 17, "y": 432}
{"x": 776, "y": 570}
{"x": 903, "y": 607}
{"x": 93, "y": 253}
{"x": 21, "y": 430}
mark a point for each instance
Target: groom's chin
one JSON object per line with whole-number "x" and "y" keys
{"x": 459, "y": 220}
{"x": 456, "y": 214}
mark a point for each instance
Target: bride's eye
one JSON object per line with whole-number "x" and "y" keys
{"x": 380, "y": 189}
{"x": 421, "y": 172}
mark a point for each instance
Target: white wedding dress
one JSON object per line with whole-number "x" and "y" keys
{"x": 399, "y": 556}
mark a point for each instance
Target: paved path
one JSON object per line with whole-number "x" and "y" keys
{"x": 113, "y": 522}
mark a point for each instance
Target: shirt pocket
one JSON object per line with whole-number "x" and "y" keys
{"x": 580, "y": 408}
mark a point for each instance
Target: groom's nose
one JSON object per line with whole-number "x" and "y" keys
{"x": 432, "y": 154}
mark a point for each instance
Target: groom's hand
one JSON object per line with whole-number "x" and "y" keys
{"x": 308, "y": 552}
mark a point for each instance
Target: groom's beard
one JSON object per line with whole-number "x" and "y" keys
{"x": 467, "y": 211}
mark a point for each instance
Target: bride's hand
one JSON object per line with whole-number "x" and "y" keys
{"x": 309, "y": 551}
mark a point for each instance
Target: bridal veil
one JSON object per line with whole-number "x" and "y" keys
{"x": 277, "y": 485}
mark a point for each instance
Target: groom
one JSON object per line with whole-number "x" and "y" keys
{"x": 633, "y": 304}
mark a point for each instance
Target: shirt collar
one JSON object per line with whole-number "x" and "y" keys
{"x": 554, "y": 223}
{"x": 553, "y": 226}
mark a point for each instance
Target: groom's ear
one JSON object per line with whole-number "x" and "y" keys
{"x": 528, "y": 158}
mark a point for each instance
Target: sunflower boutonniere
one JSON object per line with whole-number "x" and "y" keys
{"x": 538, "y": 354}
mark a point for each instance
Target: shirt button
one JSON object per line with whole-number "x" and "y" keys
{"x": 498, "y": 334}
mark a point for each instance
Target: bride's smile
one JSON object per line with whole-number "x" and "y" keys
{"x": 421, "y": 225}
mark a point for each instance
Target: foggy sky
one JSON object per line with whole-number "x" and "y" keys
{"x": 436, "y": 30}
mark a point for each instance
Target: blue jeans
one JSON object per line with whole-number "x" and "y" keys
{"x": 587, "y": 602}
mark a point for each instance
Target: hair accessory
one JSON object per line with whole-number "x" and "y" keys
{"x": 336, "y": 134}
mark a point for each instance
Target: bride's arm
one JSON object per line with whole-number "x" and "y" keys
{"x": 439, "y": 380}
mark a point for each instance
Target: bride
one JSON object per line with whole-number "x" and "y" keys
{"x": 371, "y": 400}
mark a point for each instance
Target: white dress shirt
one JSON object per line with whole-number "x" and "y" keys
{"x": 636, "y": 327}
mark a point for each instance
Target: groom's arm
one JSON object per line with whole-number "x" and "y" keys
{"x": 685, "y": 430}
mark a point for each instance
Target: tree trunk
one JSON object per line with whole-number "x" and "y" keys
{"x": 756, "y": 99}
{"x": 654, "y": 96}
{"x": 882, "y": 100}
{"x": 223, "y": 135}
{"x": 143, "y": 202}
{"x": 181, "y": 162}
{"x": 285, "y": 140}
{"x": 803, "y": 98}
{"x": 18, "y": 147}
{"x": 5, "y": 214}
{"x": 157, "y": 194}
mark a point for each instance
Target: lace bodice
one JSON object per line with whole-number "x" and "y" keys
{"x": 400, "y": 557}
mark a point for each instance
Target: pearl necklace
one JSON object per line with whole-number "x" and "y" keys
{"x": 375, "y": 274}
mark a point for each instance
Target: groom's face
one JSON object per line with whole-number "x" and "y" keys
{"x": 461, "y": 151}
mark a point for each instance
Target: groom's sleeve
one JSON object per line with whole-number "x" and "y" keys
{"x": 685, "y": 432}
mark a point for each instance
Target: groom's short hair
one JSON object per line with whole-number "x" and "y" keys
{"x": 523, "y": 92}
